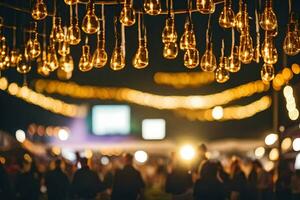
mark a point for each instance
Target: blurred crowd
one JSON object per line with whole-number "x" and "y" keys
{"x": 161, "y": 179}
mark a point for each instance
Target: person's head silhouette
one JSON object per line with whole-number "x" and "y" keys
{"x": 128, "y": 159}
{"x": 84, "y": 162}
{"x": 57, "y": 163}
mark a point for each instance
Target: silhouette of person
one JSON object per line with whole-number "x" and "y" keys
{"x": 128, "y": 183}
{"x": 28, "y": 184}
{"x": 57, "y": 183}
{"x": 86, "y": 183}
{"x": 208, "y": 186}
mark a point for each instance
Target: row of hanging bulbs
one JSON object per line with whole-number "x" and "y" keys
{"x": 61, "y": 38}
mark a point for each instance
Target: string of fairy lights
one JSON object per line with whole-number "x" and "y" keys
{"x": 63, "y": 38}
{"x": 148, "y": 99}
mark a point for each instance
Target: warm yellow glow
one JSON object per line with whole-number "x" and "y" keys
{"x": 259, "y": 152}
{"x": 274, "y": 154}
{"x": 286, "y": 144}
{"x": 296, "y": 68}
{"x": 153, "y": 100}
{"x": 217, "y": 112}
{"x": 88, "y": 153}
{"x": 271, "y": 139}
{"x": 296, "y": 144}
{"x": 56, "y": 150}
{"x": 141, "y": 156}
{"x": 187, "y": 152}
{"x": 27, "y": 157}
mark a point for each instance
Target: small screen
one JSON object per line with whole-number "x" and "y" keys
{"x": 154, "y": 129}
{"x": 111, "y": 120}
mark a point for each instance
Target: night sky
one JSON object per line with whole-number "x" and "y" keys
{"x": 16, "y": 113}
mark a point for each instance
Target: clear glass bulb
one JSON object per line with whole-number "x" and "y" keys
{"x": 169, "y": 33}
{"x": 63, "y": 75}
{"x": 90, "y": 22}
{"x": 256, "y": 52}
{"x": 269, "y": 51}
{"x": 117, "y": 61}
{"x": 206, "y": 6}
{"x": 291, "y": 42}
{"x": 57, "y": 32}
{"x": 268, "y": 19}
{"x": 208, "y": 61}
{"x": 42, "y": 65}
{"x": 2, "y": 63}
{"x": 33, "y": 47}
{"x": 127, "y": 16}
{"x": 141, "y": 58}
{"x": 241, "y": 18}
{"x": 191, "y": 58}
{"x": 188, "y": 39}
{"x": 3, "y": 47}
{"x": 170, "y": 50}
{"x": 267, "y": 72}
{"x": 234, "y": 64}
{"x": 39, "y": 11}
{"x": 71, "y": 2}
{"x": 14, "y": 55}
{"x": 221, "y": 74}
{"x": 227, "y": 17}
{"x": 64, "y": 47}
{"x": 7, "y": 60}
{"x": 246, "y": 48}
{"x": 52, "y": 59}
{"x": 23, "y": 66}
{"x": 152, "y": 7}
{"x": 66, "y": 63}
{"x": 85, "y": 62}
{"x": 74, "y": 33}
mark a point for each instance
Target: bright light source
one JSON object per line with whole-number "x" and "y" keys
{"x": 154, "y": 129}
{"x": 259, "y": 152}
{"x": 56, "y": 150}
{"x": 269, "y": 165}
{"x": 20, "y": 136}
{"x": 274, "y": 154}
{"x": 217, "y": 112}
{"x": 88, "y": 153}
{"x": 63, "y": 134}
{"x": 288, "y": 91}
{"x": 296, "y": 144}
{"x": 104, "y": 160}
{"x": 286, "y": 143}
{"x": 187, "y": 152}
{"x": 294, "y": 114}
{"x": 297, "y": 161}
{"x": 27, "y": 157}
{"x": 68, "y": 154}
{"x": 141, "y": 156}
{"x": 271, "y": 139}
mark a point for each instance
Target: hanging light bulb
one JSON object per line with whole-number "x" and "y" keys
{"x": 208, "y": 60}
{"x": 99, "y": 58}
{"x": 268, "y": 19}
{"x": 221, "y": 74}
{"x": 246, "y": 47}
{"x": 23, "y": 66}
{"x": 141, "y": 58}
{"x": 127, "y": 16}
{"x": 291, "y": 42}
{"x": 90, "y": 22}
{"x": 39, "y": 11}
{"x": 152, "y": 7}
{"x": 227, "y": 17}
{"x": 85, "y": 62}
{"x": 64, "y": 47}
{"x": 234, "y": 64}
{"x": 42, "y": 65}
{"x": 74, "y": 33}
{"x": 52, "y": 60}
{"x": 188, "y": 39}
{"x": 66, "y": 63}
{"x": 205, "y": 6}
{"x": 191, "y": 58}
{"x": 267, "y": 72}
{"x": 14, "y": 55}
{"x": 241, "y": 17}
{"x": 170, "y": 50}
{"x": 71, "y": 2}
{"x": 269, "y": 51}
{"x": 169, "y": 33}
{"x": 63, "y": 75}
{"x": 57, "y": 32}
{"x": 33, "y": 47}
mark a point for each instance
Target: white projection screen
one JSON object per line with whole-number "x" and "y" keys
{"x": 111, "y": 120}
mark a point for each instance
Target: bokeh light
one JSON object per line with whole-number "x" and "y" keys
{"x": 271, "y": 139}
{"x": 20, "y": 136}
{"x": 187, "y": 152}
{"x": 141, "y": 156}
{"x": 259, "y": 152}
